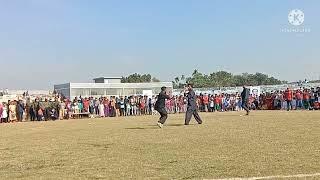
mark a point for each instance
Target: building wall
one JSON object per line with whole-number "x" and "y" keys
{"x": 112, "y": 81}
{"x": 111, "y": 89}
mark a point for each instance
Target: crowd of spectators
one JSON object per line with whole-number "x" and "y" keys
{"x": 59, "y": 108}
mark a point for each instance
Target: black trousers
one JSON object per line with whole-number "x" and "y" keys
{"x": 32, "y": 115}
{"x": 46, "y": 114}
{"x": 189, "y": 114}
{"x": 163, "y": 115}
{"x": 245, "y": 105}
{"x": 91, "y": 109}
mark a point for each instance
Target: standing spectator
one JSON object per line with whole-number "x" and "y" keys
{"x": 97, "y": 106}
{"x": 283, "y": 101}
{"x": 32, "y": 112}
{"x": 4, "y": 114}
{"x": 232, "y": 103}
{"x": 91, "y": 107}
{"x": 175, "y": 104}
{"x": 142, "y": 106}
{"x": 107, "y": 107}
{"x": 211, "y": 104}
{"x": 126, "y": 102}
{"x": 27, "y": 108}
{"x": 150, "y": 106}
{"x": 20, "y": 107}
{"x": 128, "y": 107}
{"x": 133, "y": 106}
{"x": 306, "y": 97}
{"x": 45, "y": 108}
{"x": 68, "y": 108}
{"x": 1, "y": 111}
{"x": 238, "y": 103}
{"x": 318, "y": 94}
{"x": 12, "y": 111}
{"x": 113, "y": 112}
{"x": 62, "y": 109}
{"x": 206, "y": 102}
{"x": 86, "y": 105}
{"x": 299, "y": 99}
{"x": 288, "y": 97}
{"x": 217, "y": 103}
{"x": 117, "y": 106}
{"x": 122, "y": 106}
{"x": 80, "y": 106}
{"x": 312, "y": 98}
{"x": 101, "y": 109}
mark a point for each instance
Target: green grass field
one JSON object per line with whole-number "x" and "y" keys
{"x": 267, "y": 143}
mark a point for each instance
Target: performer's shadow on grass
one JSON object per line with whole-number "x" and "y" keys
{"x": 177, "y": 125}
{"x": 156, "y": 127}
{"x": 139, "y": 128}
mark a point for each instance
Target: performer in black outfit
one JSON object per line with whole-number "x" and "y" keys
{"x": 192, "y": 106}
{"x": 160, "y": 106}
{"x": 245, "y": 99}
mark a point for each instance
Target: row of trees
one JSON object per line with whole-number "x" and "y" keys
{"x": 314, "y": 81}
{"x": 138, "y": 78}
{"x": 215, "y": 79}
{"x": 225, "y": 79}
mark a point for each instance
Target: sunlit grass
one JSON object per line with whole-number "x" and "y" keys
{"x": 226, "y": 145}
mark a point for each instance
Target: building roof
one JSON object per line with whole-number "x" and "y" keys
{"x": 108, "y": 78}
{"x": 114, "y": 85}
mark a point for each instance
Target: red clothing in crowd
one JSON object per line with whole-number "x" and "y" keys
{"x": 251, "y": 99}
{"x": 142, "y": 105}
{"x": 200, "y": 100}
{"x": 86, "y": 105}
{"x": 269, "y": 102}
{"x": 306, "y": 95}
{"x": 220, "y": 99}
{"x": 205, "y": 100}
{"x": 216, "y": 100}
{"x": 288, "y": 95}
{"x": 298, "y": 95}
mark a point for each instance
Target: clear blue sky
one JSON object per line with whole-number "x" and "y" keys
{"x": 45, "y": 42}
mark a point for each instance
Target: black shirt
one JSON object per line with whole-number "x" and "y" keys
{"x": 245, "y": 94}
{"x": 161, "y": 100}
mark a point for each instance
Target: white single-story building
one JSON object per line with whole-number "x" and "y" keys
{"x": 110, "y": 86}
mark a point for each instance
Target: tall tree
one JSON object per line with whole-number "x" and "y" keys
{"x": 176, "y": 80}
{"x": 183, "y": 77}
{"x": 155, "y": 79}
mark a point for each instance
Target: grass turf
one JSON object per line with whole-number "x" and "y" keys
{"x": 265, "y": 143}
